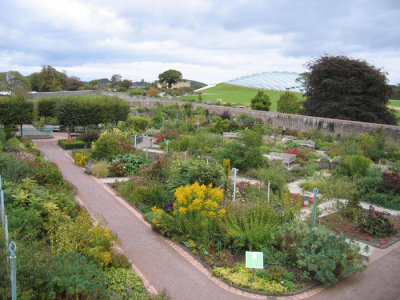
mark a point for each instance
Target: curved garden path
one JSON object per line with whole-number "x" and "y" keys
{"x": 166, "y": 267}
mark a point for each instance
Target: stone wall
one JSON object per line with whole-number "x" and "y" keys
{"x": 289, "y": 121}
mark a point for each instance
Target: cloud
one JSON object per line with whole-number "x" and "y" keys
{"x": 218, "y": 39}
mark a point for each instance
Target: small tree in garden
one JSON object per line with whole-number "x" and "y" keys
{"x": 289, "y": 103}
{"x": 261, "y": 101}
{"x": 69, "y": 113}
{"x": 16, "y": 110}
{"x": 197, "y": 210}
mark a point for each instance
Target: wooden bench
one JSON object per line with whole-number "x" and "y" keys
{"x": 79, "y": 129}
{"x": 54, "y": 127}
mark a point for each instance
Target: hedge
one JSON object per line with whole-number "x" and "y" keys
{"x": 76, "y": 144}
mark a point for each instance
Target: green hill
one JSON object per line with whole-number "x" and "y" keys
{"x": 238, "y": 95}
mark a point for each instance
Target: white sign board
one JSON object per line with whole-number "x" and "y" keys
{"x": 254, "y": 260}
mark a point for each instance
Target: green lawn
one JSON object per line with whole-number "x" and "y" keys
{"x": 394, "y": 103}
{"x": 238, "y": 95}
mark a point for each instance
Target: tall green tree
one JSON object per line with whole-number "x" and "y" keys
{"x": 11, "y": 80}
{"x": 48, "y": 80}
{"x": 170, "y": 77}
{"x": 289, "y": 103}
{"x": 261, "y": 101}
{"x": 349, "y": 89}
{"x": 16, "y": 110}
{"x": 116, "y": 80}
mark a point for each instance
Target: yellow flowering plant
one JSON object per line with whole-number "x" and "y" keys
{"x": 198, "y": 210}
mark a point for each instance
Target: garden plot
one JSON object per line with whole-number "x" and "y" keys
{"x": 187, "y": 193}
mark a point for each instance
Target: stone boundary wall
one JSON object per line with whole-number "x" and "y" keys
{"x": 289, "y": 121}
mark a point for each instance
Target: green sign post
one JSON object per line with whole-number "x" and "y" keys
{"x": 254, "y": 260}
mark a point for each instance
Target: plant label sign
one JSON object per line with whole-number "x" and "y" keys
{"x": 254, "y": 260}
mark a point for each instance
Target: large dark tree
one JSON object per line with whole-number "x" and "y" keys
{"x": 343, "y": 88}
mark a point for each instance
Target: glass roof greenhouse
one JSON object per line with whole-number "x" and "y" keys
{"x": 280, "y": 81}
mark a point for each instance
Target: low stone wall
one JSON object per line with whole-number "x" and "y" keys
{"x": 289, "y": 121}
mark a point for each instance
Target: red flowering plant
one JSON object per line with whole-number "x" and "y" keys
{"x": 370, "y": 226}
{"x": 302, "y": 200}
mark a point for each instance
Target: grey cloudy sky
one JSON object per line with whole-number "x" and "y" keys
{"x": 207, "y": 40}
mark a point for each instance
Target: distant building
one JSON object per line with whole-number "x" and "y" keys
{"x": 279, "y": 81}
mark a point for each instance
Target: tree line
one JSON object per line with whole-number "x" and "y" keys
{"x": 69, "y": 111}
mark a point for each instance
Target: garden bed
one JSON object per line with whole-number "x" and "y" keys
{"x": 212, "y": 259}
{"x": 342, "y": 225}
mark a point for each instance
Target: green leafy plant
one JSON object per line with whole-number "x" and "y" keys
{"x": 110, "y": 143}
{"x": 132, "y": 162}
{"x": 319, "y": 253}
{"x": 188, "y": 172}
{"x": 123, "y": 283}
{"x": 101, "y": 169}
{"x": 73, "y": 277}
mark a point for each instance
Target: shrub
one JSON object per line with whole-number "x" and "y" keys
{"x": 260, "y": 101}
{"x": 74, "y": 144}
{"x": 197, "y": 210}
{"x": 245, "y": 153}
{"x": 118, "y": 169}
{"x": 73, "y": 276}
{"x": 89, "y": 137}
{"x": 123, "y": 283}
{"x": 289, "y": 103}
{"x": 255, "y": 228}
{"x": 132, "y": 162}
{"x": 139, "y": 190}
{"x": 100, "y": 169}
{"x": 319, "y": 253}
{"x": 188, "y": 172}
{"x": 79, "y": 235}
{"x": 356, "y": 165}
{"x": 375, "y": 223}
{"x": 138, "y": 124}
{"x": 46, "y": 173}
{"x": 392, "y": 179}
{"x": 12, "y": 169}
{"x": 110, "y": 143}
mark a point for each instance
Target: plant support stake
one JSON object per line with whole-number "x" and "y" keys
{"x": 234, "y": 183}
{"x": 6, "y": 230}
{"x": 314, "y": 208}
{"x": 135, "y": 141}
{"x": 147, "y": 146}
{"x": 13, "y": 263}
{"x": 2, "y": 206}
{"x": 166, "y": 144}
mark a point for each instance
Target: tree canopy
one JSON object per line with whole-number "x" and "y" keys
{"x": 11, "y": 80}
{"x": 349, "y": 89}
{"x": 260, "y": 101}
{"x": 170, "y": 77}
{"x": 289, "y": 103}
{"x": 16, "y": 110}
